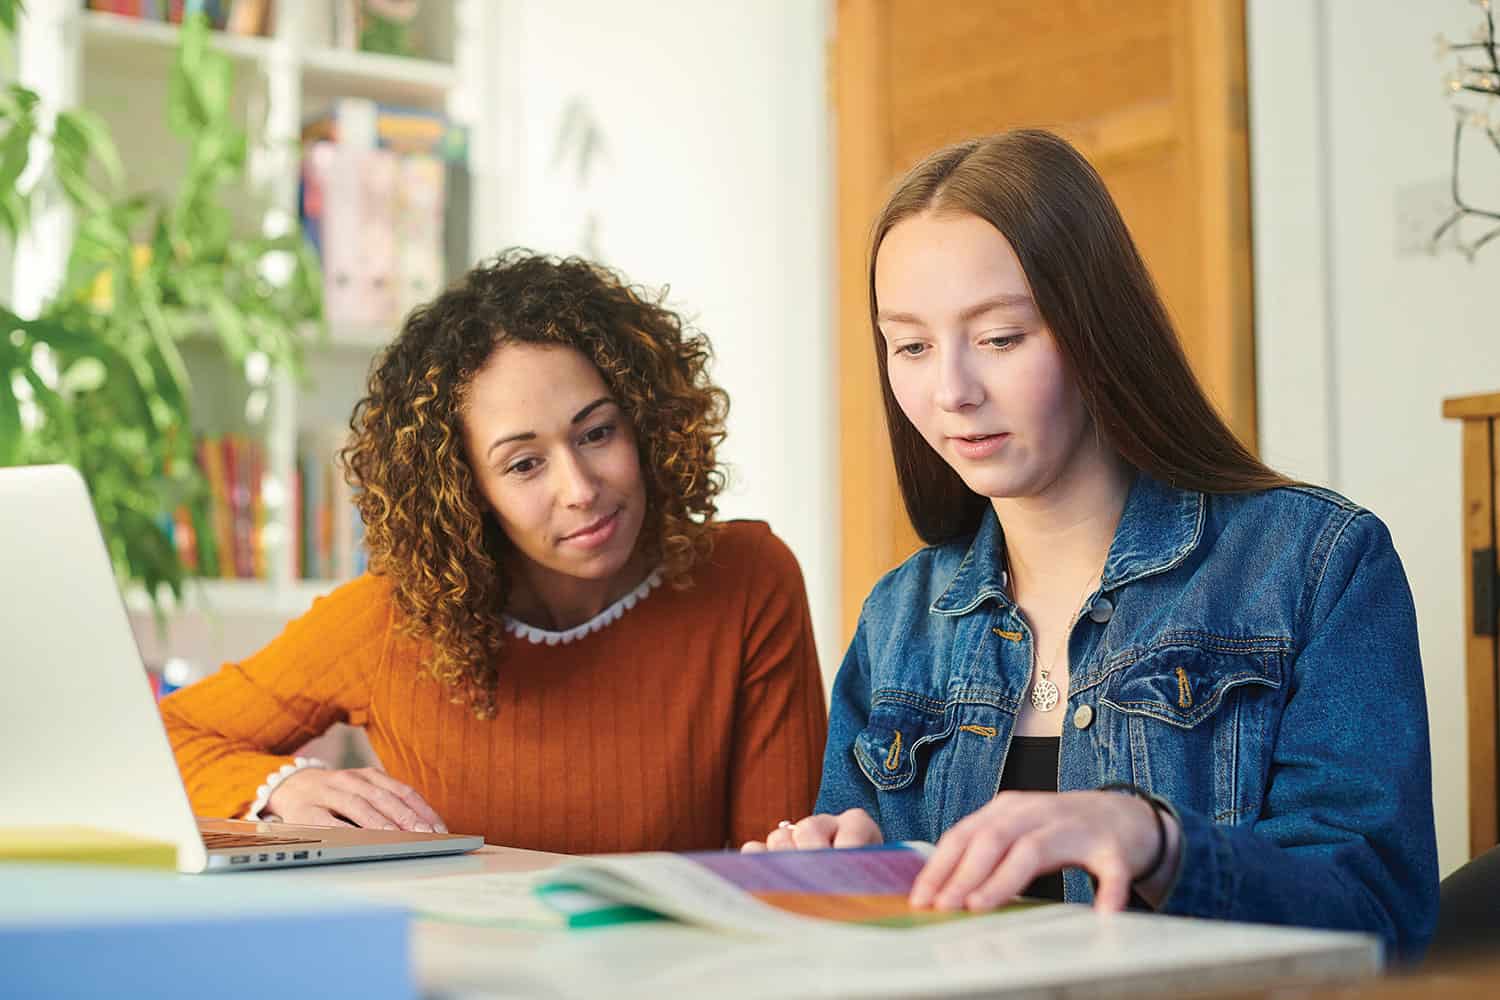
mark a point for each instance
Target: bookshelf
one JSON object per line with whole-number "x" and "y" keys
{"x": 118, "y": 66}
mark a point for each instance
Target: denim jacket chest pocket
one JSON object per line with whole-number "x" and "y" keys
{"x": 891, "y": 746}
{"x": 907, "y": 753}
{"x": 1193, "y": 718}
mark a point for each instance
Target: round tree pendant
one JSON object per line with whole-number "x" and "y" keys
{"x": 1044, "y": 695}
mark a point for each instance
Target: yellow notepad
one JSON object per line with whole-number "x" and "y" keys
{"x": 84, "y": 845}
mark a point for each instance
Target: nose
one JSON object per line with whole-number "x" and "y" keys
{"x": 957, "y": 387}
{"x": 577, "y": 486}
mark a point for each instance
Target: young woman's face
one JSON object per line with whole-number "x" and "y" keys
{"x": 971, "y": 363}
{"x": 556, "y": 459}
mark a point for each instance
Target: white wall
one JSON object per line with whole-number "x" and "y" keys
{"x": 1358, "y": 342}
{"x": 713, "y": 177}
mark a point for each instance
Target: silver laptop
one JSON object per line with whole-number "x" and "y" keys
{"x": 81, "y": 742}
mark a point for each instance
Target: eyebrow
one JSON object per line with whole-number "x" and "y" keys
{"x": 578, "y": 418}
{"x": 1005, "y": 300}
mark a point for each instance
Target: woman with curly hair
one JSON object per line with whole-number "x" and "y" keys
{"x": 557, "y": 645}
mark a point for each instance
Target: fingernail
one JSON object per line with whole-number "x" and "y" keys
{"x": 422, "y": 828}
{"x": 388, "y": 827}
{"x": 947, "y": 901}
{"x": 441, "y": 828}
{"x": 977, "y": 902}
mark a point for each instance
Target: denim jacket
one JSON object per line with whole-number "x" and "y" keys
{"x": 1250, "y": 659}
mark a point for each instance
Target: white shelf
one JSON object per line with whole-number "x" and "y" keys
{"x": 242, "y": 597}
{"x": 120, "y": 67}
{"x": 396, "y": 79}
{"x": 117, "y": 37}
{"x": 116, "y": 40}
{"x": 365, "y": 339}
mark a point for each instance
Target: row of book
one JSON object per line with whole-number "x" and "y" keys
{"x": 327, "y": 530}
{"x": 229, "y": 540}
{"x": 384, "y": 204}
{"x": 237, "y": 17}
{"x": 226, "y": 542}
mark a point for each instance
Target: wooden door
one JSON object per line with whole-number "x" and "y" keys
{"x": 1481, "y": 569}
{"x": 1151, "y": 91}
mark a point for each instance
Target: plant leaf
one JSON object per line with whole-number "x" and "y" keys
{"x": 15, "y": 152}
{"x": 85, "y": 131}
{"x": 83, "y": 375}
{"x": 11, "y": 431}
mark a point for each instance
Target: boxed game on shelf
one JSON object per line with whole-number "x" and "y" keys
{"x": 384, "y": 203}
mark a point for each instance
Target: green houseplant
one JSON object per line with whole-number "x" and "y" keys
{"x": 102, "y": 385}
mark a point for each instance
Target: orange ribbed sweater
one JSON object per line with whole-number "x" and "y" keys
{"x": 695, "y": 720}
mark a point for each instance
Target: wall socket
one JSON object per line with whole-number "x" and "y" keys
{"x": 1420, "y": 209}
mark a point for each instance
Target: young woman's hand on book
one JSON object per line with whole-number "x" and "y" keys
{"x": 365, "y": 797}
{"x": 850, "y": 828}
{"x": 991, "y": 855}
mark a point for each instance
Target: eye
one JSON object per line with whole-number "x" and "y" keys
{"x": 597, "y": 435}
{"x": 1004, "y": 341}
{"x": 523, "y": 467}
{"x": 912, "y": 350}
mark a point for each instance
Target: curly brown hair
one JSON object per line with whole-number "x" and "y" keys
{"x": 427, "y": 527}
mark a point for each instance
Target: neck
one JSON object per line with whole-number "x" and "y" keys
{"x": 1059, "y": 539}
{"x": 557, "y": 602}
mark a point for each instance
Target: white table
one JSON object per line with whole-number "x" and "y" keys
{"x": 1052, "y": 951}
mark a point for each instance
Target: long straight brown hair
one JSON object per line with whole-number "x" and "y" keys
{"x": 1094, "y": 293}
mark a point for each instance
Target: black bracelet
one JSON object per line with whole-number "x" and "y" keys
{"x": 1157, "y": 808}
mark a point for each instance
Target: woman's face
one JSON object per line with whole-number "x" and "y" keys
{"x": 556, "y": 459}
{"x": 971, "y": 363}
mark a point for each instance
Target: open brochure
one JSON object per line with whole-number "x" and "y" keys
{"x": 765, "y": 893}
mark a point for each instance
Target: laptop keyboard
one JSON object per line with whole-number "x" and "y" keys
{"x": 214, "y": 841}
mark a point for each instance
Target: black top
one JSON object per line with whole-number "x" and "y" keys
{"x": 1031, "y": 766}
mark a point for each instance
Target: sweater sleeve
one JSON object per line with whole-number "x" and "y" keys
{"x": 780, "y": 720}
{"x": 233, "y": 728}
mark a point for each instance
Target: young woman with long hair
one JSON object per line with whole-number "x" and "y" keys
{"x": 1134, "y": 664}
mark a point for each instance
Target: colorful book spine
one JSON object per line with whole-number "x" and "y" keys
{"x": 363, "y": 123}
{"x": 228, "y": 539}
{"x": 330, "y": 531}
{"x": 211, "y": 462}
{"x": 313, "y": 486}
{"x": 294, "y": 506}
{"x": 247, "y": 17}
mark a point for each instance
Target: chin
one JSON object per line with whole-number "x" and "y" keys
{"x": 606, "y": 562}
{"x": 987, "y": 482}
{"x": 998, "y": 487}
{"x": 601, "y": 566}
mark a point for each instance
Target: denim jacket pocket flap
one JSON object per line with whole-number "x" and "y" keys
{"x": 1185, "y": 684}
{"x": 887, "y": 748}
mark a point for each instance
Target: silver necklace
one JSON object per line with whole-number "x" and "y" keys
{"x": 1045, "y": 694}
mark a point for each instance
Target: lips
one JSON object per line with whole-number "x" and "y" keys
{"x": 595, "y": 530}
{"x": 975, "y": 446}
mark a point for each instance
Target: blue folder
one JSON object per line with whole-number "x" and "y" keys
{"x": 108, "y": 932}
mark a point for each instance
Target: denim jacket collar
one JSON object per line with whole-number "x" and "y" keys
{"x": 1158, "y": 528}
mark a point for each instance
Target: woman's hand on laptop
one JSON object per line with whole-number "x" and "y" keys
{"x": 364, "y": 796}
{"x": 850, "y": 828}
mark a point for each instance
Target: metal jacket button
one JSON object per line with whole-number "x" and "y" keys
{"x": 1082, "y": 716}
{"x": 1101, "y": 610}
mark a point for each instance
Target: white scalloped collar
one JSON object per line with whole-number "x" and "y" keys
{"x": 610, "y": 614}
